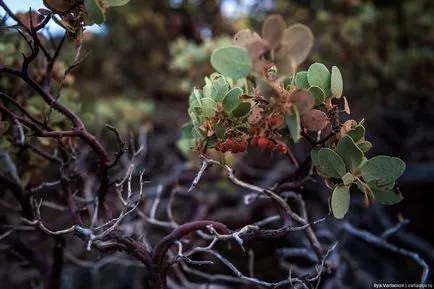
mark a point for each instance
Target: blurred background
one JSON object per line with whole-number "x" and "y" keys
{"x": 142, "y": 64}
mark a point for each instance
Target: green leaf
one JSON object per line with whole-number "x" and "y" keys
{"x": 314, "y": 156}
{"x": 187, "y": 130}
{"x": 114, "y": 3}
{"x": 232, "y": 61}
{"x": 357, "y": 133}
{"x": 301, "y": 80}
{"x": 318, "y": 94}
{"x": 319, "y": 75}
{"x": 337, "y": 83}
{"x": 348, "y": 178}
{"x": 340, "y": 201}
{"x": 220, "y": 131}
{"x": 195, "y": 97}
{"x": 208, "y": 107}
{"x": 331, "y": 163}
{"x": 242, "y": 109}
{"x": 350, "y": 153}
{"x": 185, "y": 146}
{"x": 216, "y": 89}
{"x": 232, "y": 99}
{"x": 365, "y": 146}
{"x": 292, "y": 121}
{"x": 386, "y": 196}
{"x": 96, "y": 10}
{"x": 383, "y": 170}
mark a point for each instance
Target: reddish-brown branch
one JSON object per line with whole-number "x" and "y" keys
{"x": 159, "y": 252}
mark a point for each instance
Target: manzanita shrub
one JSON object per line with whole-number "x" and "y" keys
{"x": 256, "y": 98}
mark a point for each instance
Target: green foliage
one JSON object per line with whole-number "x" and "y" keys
{"x": 113, "y": 3}
{"x": 232, "y": 61}
{"x": 253, "y": 101}
{"x": 331, "y": 163}
{"x": 95, "y": 10}
{"x": 340, "y": 200}
{"x": 337, "y": 83}
{"x": 350, "y": 153}
{"x": 292, "y": 120}
{"x": 319, "y": 75}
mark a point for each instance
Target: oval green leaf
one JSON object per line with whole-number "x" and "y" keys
{"x": 350, "y": 153}
{"x": 383, "y": 170}
{"x": 340, "y": 201}
{"x": 318, "y": 94}
{"x": 208, "y": 107}
{"x": 232, "y": 61}
{"x": 331, "y": 163}
{"x": 337, "y": 83}
{"x": 242, "y": 109}
{"x": 319, "y": 75}
{"x": 301, "y": 80}
{"x": 232, "y": 99}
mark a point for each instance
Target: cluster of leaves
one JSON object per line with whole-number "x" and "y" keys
{"x": 250, "y": 101}
{"x": 74, "y": 15}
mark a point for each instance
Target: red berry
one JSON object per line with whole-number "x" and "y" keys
{"x": 273, "y": 120}
{"x": 254, "y": 141}
{"x": 270, "y": 145}
{"x": 282, "y": 148}
{"x": 242, "y": 146}
{"x": 228, "y": 144}
{"x": 234, "y": 148}
{"x": 262, "y": 142}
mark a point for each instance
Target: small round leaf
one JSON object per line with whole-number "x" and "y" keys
{"x": 301, "y": 80}
{"x": 232, "y": 61}
{"x": 319, "y": 75}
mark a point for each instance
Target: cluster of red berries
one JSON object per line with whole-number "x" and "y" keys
{"x": 264, "y": 143}
{"x": 231, "y": 145}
